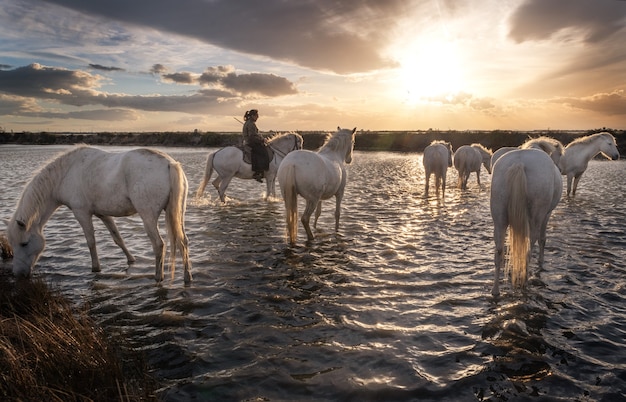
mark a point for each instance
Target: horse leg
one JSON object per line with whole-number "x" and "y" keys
{"x": 338, "y": 199}
{"x": 478, "y": 177}
{"x": 117, "y": 238}
{"x": 498, "y": 236}
{"x": 270, "y": 178}
{"x": 427, "y": 183}
{"x": 576, "y": 179}
{"x": 306, "y": 217}
{"x": 151, "y": 226}
{"x": 569, "y": 183}
{"x": 216, "y": 183}
{"x": 84, "y": 219}
{"x": 318, "y": 212}
{"x": 223, "y": 186}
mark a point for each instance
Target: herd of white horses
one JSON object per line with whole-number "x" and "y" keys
{"x": 526, "y": 186}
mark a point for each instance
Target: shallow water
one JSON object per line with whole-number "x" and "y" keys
{"x": 396, "y": 306}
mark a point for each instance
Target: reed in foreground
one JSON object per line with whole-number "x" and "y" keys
{"x": 52, "y": 351}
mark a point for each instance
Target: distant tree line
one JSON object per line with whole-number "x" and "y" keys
{"x": 397, "y": 141}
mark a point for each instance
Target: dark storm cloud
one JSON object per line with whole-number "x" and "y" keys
{"x": 255, "y": 83}
{"x": 541, "y": 19}
{"x": 78, "y": 88}
{"x": 105, "y": 68}
{"x": 47, "y": 82}
{"x": 343, "y": 37}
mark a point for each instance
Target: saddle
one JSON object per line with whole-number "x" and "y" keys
{"x": 247, "y": 153}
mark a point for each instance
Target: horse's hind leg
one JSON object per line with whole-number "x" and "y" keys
{"x": 498, "y": 236}
{"x": 150, "y": 224}
{"x": 318, "y": 212}
{"x": 117, "y": 238}
{"x": 306, "y": 217}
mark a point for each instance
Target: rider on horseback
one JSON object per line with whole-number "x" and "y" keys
{"x": 256, "y": 142}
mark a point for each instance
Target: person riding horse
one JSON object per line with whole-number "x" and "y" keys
{"x": 256, "y": 142}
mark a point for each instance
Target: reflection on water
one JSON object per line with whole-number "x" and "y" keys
{"x": 396, "y": 306}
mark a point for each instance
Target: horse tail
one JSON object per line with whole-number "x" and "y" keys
{"x": 208, "y": 171}
{"x": 519, "y": 231}
{"x": 175, "y": 217}
{"x": 290, "y": 195}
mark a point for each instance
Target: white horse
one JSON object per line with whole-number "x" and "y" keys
{"x": 316, "y": 176}
{"x": 579, "y": 152}
{"x": 468, "y": 158}
{"x": 526, "y": 186}
{"x": 498, "y": 153}
{"x": 90, "y": 181}
{"x": 437, "y": 159}
{"x": 228, "y": 163}
{"x": 551, "y": 146}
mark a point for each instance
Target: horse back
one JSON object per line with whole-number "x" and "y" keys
{"x": 116, "y": 183}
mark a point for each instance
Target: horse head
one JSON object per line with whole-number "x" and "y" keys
{"x": 349, "y": 145}
{"x": 608, "y": 146}
{"x": 27, "y": 242}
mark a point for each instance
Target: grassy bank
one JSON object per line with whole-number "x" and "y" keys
{"x": 398, "y": 141}
{"x": 53, "y": 351}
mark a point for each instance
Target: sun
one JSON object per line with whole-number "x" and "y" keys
{"x": 429, "y": 70}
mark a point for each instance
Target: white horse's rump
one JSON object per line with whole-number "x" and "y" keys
{"x": 91, "y": 182}
{"x": 526, "y": 186}
{"x": 316, "y": 176}
{"x": 579, "y": 152}
{"x": 467, "y": 159}
{"x": 437, "y": 159}
{"x": 228, "y": 163}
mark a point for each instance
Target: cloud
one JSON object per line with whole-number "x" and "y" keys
{"x": 105, "y": 68}
{"x": 542, "y": 19}
{"x": 180, "y": 78}
{"x": 610, "y": 104}
{"x": 79, "y": 88}
{"x": 343, "y": 37}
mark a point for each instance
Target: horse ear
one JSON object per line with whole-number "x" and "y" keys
{"x": 354, "y": 130}
{"x": 338, "y": 128}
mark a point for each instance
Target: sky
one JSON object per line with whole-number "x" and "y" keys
{"x": 184, "y": 65}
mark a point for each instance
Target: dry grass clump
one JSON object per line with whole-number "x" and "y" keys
{"x": 50, "y": 351}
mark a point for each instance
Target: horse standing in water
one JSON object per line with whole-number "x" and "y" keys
{"x": 467, "y": 159}
{"x": 526, "y": 186}
{"x": 228, "y": 163}
{"x": 316, "y": 176}
{"x": 437, "y": 159}
{"x": 552, "y": 147}
{"x": 90, "y": 181}
{"x": 579, "y": 152}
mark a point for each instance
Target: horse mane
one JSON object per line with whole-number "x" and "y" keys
{"x": 589, "y": 138}
{"x": 278, "y": 136}
{"x": 547, "y": 144}
{"x": 483, "y": 149}
{"x": 442, "y": 142}
{"x": 43, "y": 182}
{"x": 337, "y": 141}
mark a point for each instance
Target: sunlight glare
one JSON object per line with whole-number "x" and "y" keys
{"x": 430, "y": 70}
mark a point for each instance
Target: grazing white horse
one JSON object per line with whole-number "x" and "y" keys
{"x": 437, "y": 159}
{"x": 525, "y": 187}
{"x": 551, "y": 146}
{"x": 90, "y": 181}
{"x": 579, "y": 152}
{"x": 316, "y": 176}
{"x": 468, "y": 158}
{"x": 228, "y": 163}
